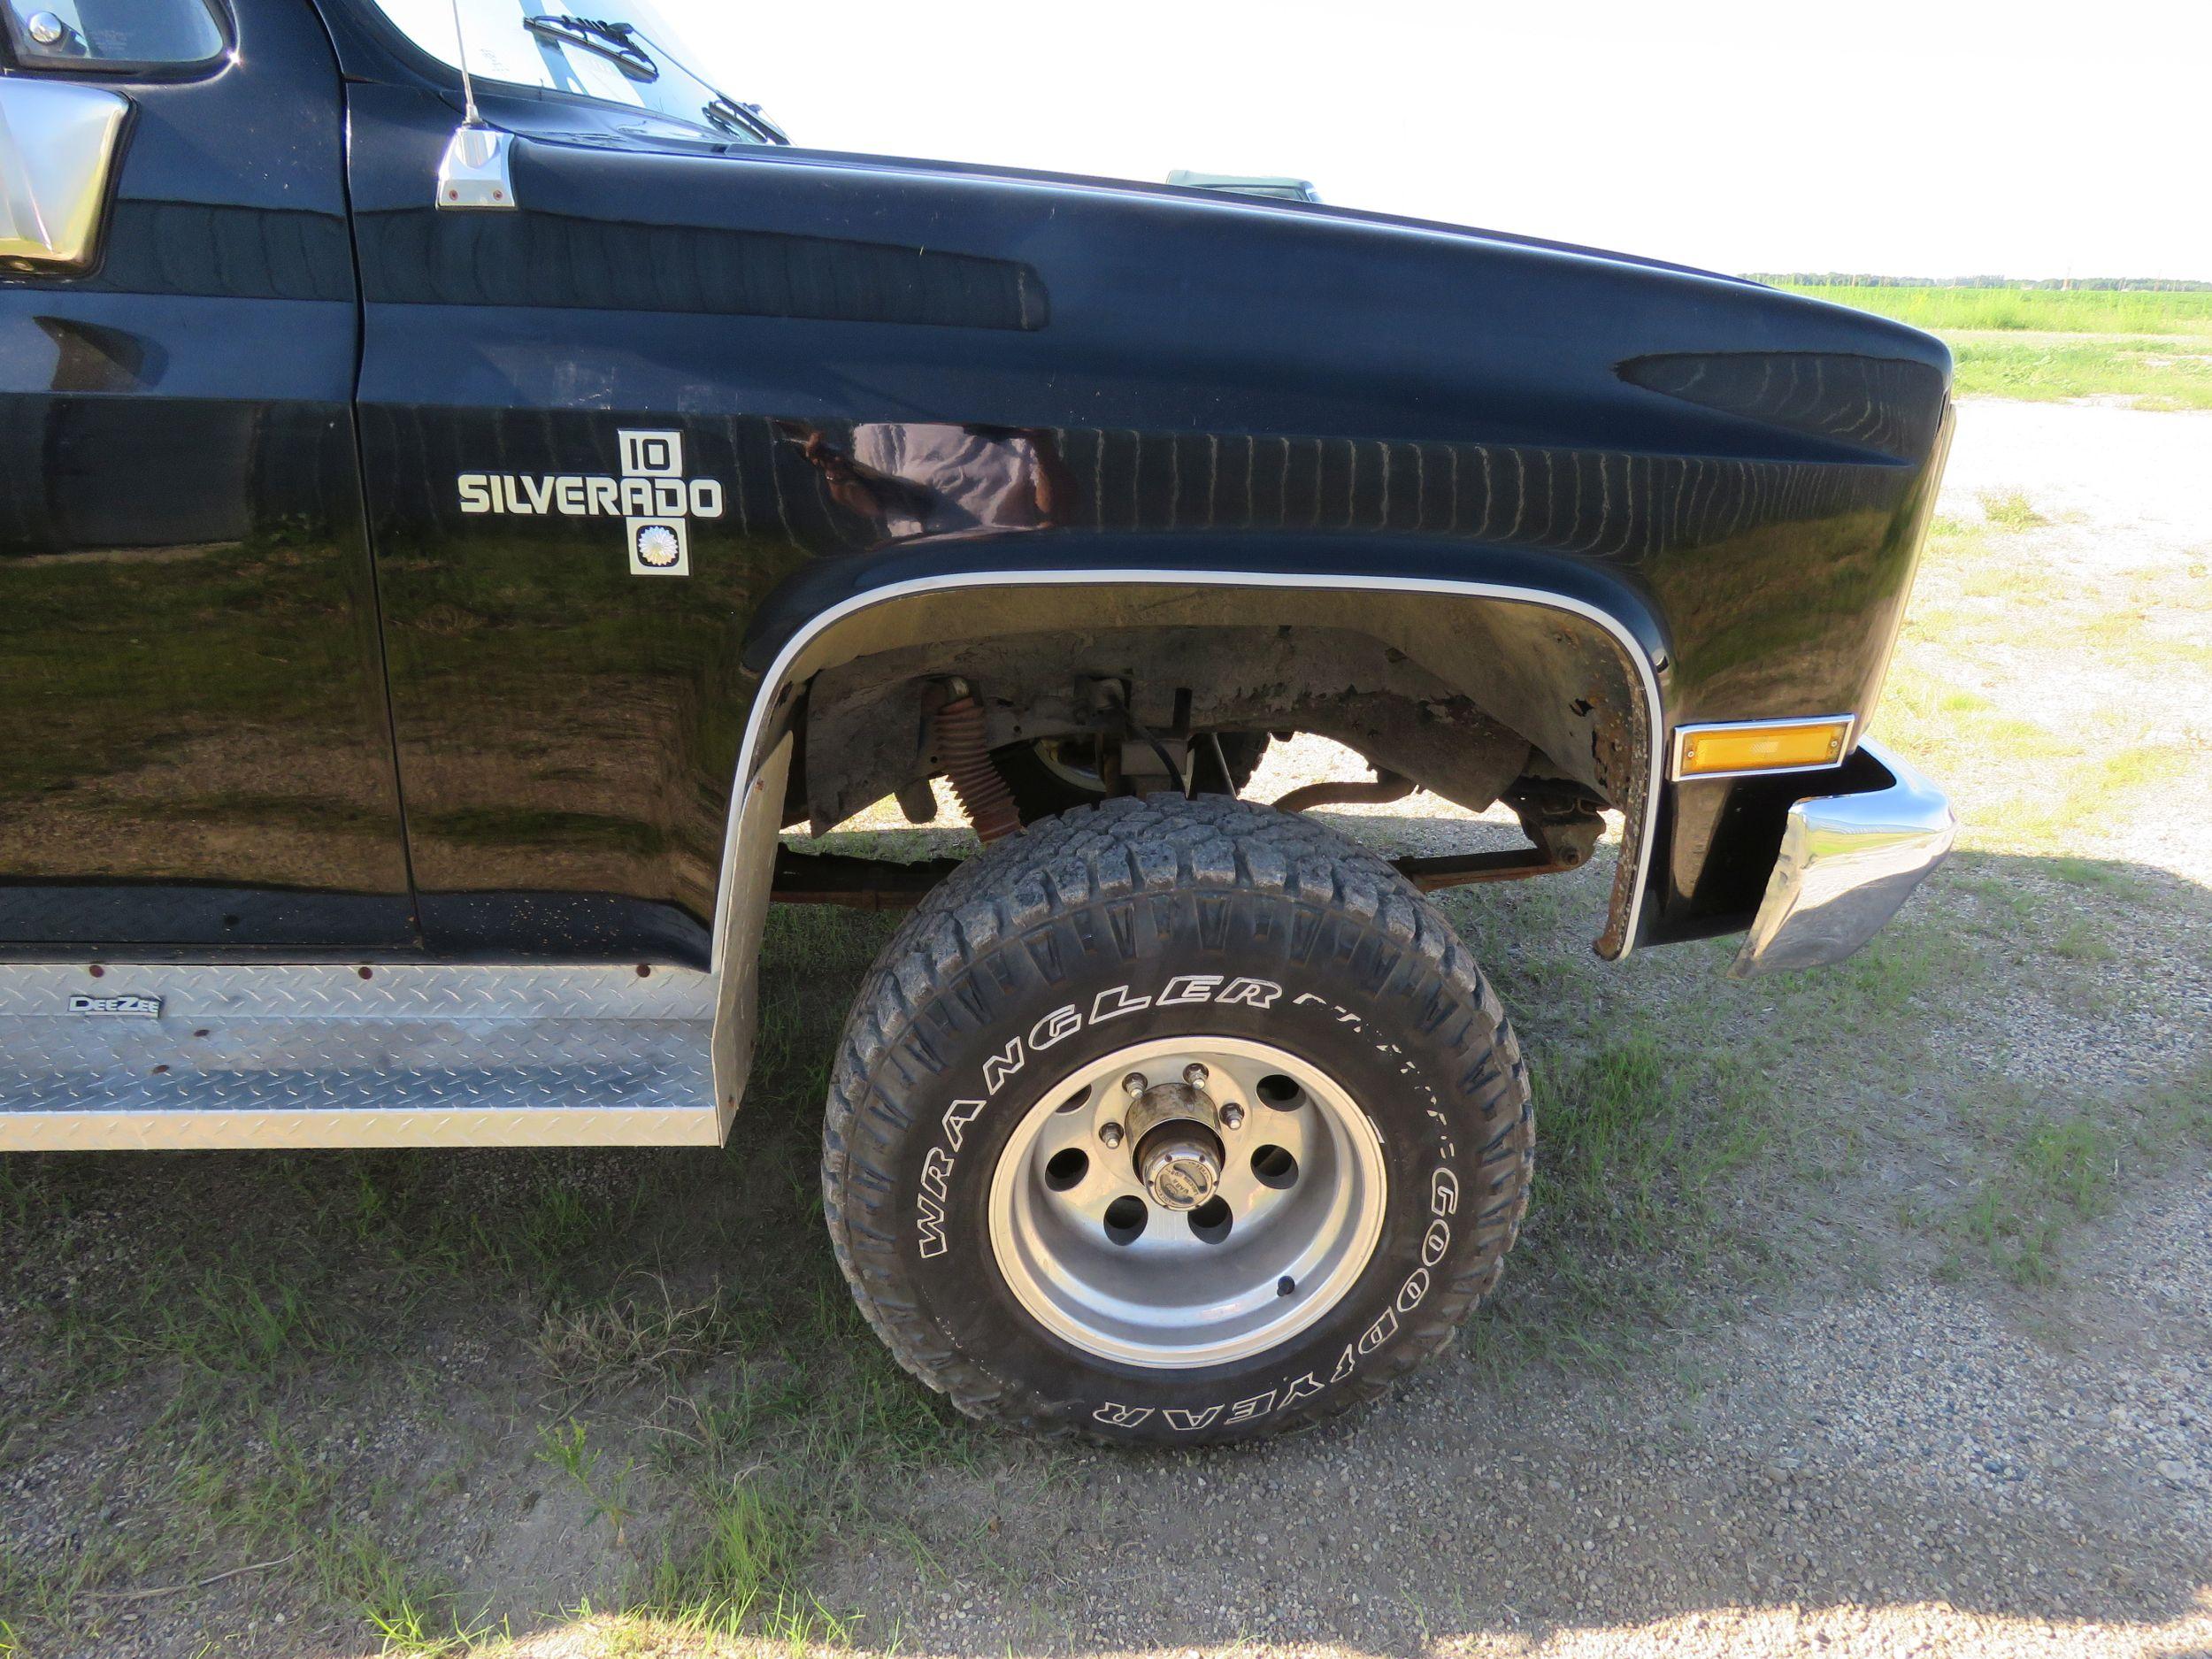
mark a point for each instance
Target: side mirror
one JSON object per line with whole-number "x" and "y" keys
{"x": 57, "y": 147}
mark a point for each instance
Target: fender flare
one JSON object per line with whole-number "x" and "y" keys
{"x": 797, "y": 630}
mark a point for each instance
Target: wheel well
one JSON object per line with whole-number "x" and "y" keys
{"x": 864, "y": 736}
{"x": 1462, "y": 695}
{"x": 1462, "y": 687}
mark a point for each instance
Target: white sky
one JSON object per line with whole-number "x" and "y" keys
{"x": 1944, "y": 138}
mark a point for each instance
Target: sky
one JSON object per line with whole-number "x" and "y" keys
{"x": 1949, "y": 137}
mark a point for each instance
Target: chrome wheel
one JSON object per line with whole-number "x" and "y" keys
{"x": 1187, "y": 1201}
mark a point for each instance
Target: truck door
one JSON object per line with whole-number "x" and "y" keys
{"x": 196, "y": 751}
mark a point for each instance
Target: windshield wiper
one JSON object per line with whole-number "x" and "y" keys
{"x": 732, "y": 117}
{"x": 614, "y": 41}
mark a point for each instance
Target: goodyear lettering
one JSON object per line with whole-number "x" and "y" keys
{"x": 1252, "y": 1406}
{"x": 1189, "y": 1422}
{"x": 1434, "y": 1242}
{"x": 1444, "y": 1192}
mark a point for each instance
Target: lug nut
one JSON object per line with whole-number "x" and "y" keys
{"x": 1135, "y": 1085}
{"x": 1232, "y": 1116}
{"x": 1195, "y": 1075}
{"x": 1110, "y": 1135}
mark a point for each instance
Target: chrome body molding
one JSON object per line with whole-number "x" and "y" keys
{"x": 57, "y": 143}
{"x": 1683, "y": 734}
{"x": 755, "y": 814}
{"x": 343, "y": 1055}
{"x": 1848, "y": 862}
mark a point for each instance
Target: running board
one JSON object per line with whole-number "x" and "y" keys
{"x": 181, "y": 1056}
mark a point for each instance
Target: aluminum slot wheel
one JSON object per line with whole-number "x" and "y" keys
{"x": 1108, "y": 1265}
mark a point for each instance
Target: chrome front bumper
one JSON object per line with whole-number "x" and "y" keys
{"x": 1848, "y": 862}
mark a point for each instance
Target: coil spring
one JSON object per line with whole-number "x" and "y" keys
{"x": 963, "y": 747}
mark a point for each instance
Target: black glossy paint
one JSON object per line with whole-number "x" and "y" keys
{"x": 197, "y": 748}
{"x": 875, "y": 359}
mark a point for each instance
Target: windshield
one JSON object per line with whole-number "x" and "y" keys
{"x": 619, "y": 52}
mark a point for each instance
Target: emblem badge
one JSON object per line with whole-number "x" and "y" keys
{"x": 129, "y": 1006}
{"x": 652, "y": 497}
{"x": 656, "y": 547}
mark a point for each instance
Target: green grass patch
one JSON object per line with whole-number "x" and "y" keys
{"x": 1638, "y": 1143}
{"x": 2151, "y": 346}
{"x": 2153, "y": 373}
{"x": 2010, "y": 510}
{"x": 2051, "y": 1167}
{"x": 2060, "y": 311}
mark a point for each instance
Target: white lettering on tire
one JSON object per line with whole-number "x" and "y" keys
{"x": 1057, "y": 1026}
{"x": 1003, "y": 1065}
{"x": 957, "y": 1116}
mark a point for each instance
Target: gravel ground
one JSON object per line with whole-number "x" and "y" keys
{"x": 1862, "y": 1457}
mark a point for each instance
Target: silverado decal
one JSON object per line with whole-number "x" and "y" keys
{"x": 653, "y": 498}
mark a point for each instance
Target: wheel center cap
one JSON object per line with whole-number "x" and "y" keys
{"x": 1180, "y": 1166}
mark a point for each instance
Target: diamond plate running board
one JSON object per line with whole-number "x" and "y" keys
{"x": 343, "y": 1055}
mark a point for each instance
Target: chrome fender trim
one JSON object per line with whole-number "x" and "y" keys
{"x": 1848, "y": 862}
{"x": 741, "y": 907}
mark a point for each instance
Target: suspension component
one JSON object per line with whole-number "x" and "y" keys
{"x": 964, "y": 745}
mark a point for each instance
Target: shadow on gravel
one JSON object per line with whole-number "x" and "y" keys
{"x": 1792, "y": 1327}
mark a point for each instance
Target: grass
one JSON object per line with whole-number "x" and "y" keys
{"x": 565, "y": 1447}
{"x": 1639, "y": 1144}
{"x": 2052, "y": 1167}
{"x": 2010, "y": 510}
{"x": 622, "y": 1338}
{"x": 1944, "y": 309}
{"x": 2151, "y": 374}
{"x": 2153, "y": 349}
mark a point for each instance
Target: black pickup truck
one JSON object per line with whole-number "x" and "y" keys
{"x": 470, "y": 488}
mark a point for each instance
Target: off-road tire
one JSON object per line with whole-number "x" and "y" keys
{"x": 1372, "y": 984}
{"x": 1041, "y": 793}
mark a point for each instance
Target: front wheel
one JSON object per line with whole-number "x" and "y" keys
{"x": 1174, "y": 1121}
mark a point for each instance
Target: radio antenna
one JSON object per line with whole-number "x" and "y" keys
{"x": 470, "y": 117}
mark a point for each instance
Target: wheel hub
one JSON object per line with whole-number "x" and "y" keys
{"x": 1178, "y": 1150}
